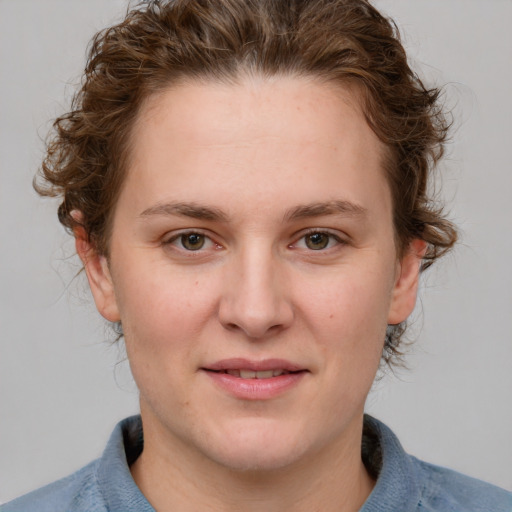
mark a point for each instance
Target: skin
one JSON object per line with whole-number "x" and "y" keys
{"x": 258, "y": 155}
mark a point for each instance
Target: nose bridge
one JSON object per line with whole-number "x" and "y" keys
{"x": 254, "y": 300}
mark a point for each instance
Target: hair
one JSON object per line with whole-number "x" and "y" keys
{"x": 162, "y": 42}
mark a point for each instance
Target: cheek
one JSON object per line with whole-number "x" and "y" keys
{"x": 348, "y": 318}
{"x": 162, "y": 314}
{"x": 354, "y": 302}
{"x": 162, "y": 324}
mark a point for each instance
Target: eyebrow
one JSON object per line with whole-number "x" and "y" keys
{"x": 192, "y": 210}
{"x": 210, "y": 213}
{"x": 339, "y": 207}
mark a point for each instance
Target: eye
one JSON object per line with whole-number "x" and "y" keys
{"x": 318, "y": 241}
{"x": 191, "y": 241}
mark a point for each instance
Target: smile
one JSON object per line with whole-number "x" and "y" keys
{"x": 255, "y": 380}
{"x": 251, "y": 374}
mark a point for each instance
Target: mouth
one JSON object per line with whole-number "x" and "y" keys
{"x": 254, "y": 374}
{"x": 250, "y": 369}
{"x": 255, "y": 380}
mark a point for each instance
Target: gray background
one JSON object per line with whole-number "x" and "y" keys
{"x": 63, "y": 387}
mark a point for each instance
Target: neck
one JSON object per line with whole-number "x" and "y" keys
{"x": 332, "y": 479}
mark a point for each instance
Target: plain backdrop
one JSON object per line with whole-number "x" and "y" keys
{"x": 63, "y": 386}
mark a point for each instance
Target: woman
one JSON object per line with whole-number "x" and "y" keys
{"x": 247, "y": 188}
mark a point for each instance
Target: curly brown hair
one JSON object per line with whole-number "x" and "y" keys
{"x": 161, "y": 42}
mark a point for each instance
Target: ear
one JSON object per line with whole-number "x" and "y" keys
{"x": 406, "y": 283}
{"x": 98, "y": 275}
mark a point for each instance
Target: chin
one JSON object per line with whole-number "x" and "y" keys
{"x": 259, "y": 446}
{"x": 256, "y": 461}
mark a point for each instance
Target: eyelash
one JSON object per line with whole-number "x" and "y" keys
{"x": 331, "y": 237}
{"x": 177, "y": 241}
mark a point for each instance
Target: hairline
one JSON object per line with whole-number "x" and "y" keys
{"x": 350, "y": 87}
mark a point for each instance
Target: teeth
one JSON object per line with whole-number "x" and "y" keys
{"x": 265, "y": 375}
{"x": 250, "y": 374}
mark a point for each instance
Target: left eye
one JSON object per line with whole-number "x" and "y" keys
{"x": 191, "y": 241}
{"x": 317, "y": 241}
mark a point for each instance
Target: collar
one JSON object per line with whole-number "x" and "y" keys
{"x": 117, "y": 486}
{"x": 395, "y": 489}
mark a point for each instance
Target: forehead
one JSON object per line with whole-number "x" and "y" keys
{"x": 284, "y": 107}
{"x": 253, "y": 141}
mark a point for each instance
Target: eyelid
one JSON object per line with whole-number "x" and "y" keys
{"x": 170, "y": 238}
{"x": 340, "y": 240}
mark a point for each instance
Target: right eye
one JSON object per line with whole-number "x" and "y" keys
{"x": 191, "y": 241}
{"x": 318, "y": 240}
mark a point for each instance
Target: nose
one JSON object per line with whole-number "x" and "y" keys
{"x": 255, "y": 299}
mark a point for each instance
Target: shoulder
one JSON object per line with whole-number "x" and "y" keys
{"x": 443, "y": 489}
{"x": 103, "y": 485}
{"x": 78, "y": 492}
{"x": 407, "y": 484}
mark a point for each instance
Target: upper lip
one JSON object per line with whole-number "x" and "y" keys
{"x": 239, "y": 363}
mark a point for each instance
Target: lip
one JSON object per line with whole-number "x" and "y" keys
{"x": 255, "y": 389}
{"x": 256, "y": 366}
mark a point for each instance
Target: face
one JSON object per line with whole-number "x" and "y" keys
{"x": 253, "y": 267}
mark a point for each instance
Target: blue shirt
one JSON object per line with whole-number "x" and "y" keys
{"x": 404, "y": 483}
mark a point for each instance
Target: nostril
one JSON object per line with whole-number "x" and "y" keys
{"x": 255, "y": 314}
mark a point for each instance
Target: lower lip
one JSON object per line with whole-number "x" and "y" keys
{"x": 255, "y": 389}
